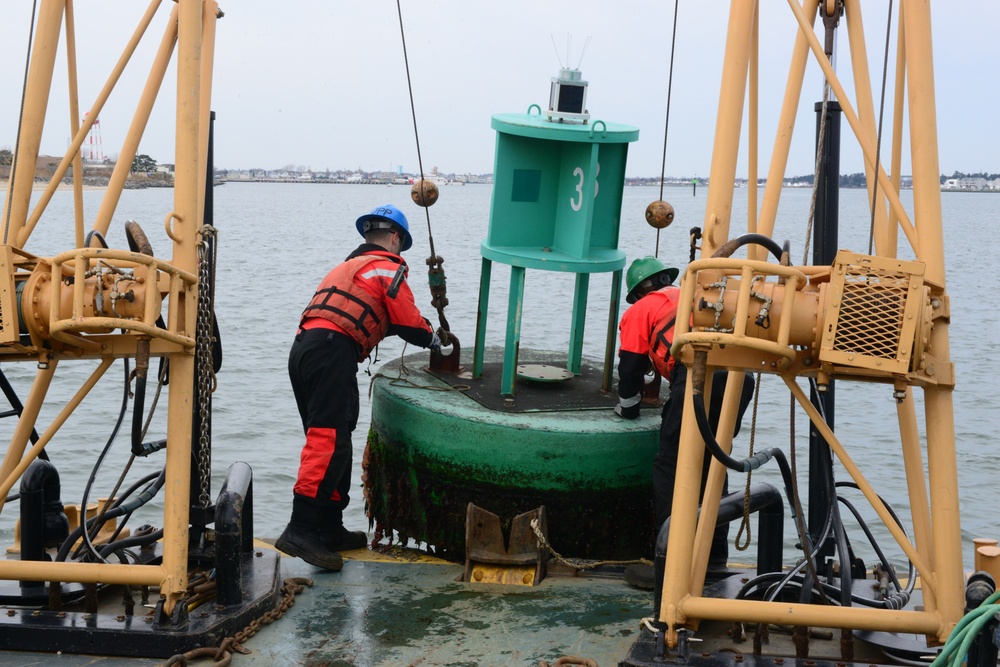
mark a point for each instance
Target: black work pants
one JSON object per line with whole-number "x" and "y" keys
{"x": 665, "y": 461}
{"x": 323, "y": 368}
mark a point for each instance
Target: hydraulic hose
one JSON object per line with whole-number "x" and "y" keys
{"x": 748, "y": 464}
{"x": 121, "y": 508}
{"x": 730, "y": 246}
{"x": 135, "y": 540}
{"x": 844, "y": 554}
{"x": 898, "y": 599}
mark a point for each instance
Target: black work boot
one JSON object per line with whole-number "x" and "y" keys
{"x": 307, "y": 545}
{"x": 302, "y": 539}
{"x": 341, "y": 539}
{"x": 338, "y": 538}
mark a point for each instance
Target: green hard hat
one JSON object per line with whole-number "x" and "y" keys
{"x": 646, "y": 268}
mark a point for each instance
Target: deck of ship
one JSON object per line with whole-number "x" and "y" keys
{"x": 406, "y": 608}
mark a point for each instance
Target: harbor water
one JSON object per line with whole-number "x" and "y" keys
{"x": 277, "y": 241}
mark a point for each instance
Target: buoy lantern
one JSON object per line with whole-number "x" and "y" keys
{"x": 568, "y": 97}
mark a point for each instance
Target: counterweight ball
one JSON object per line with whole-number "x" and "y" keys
{"x": 424, "y": 193}
{"x": 659, "y": 214}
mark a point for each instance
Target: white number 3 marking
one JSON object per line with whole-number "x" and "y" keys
{"x": 576, "y": 203}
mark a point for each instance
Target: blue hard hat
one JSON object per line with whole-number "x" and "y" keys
{"x": 387, "y": 213}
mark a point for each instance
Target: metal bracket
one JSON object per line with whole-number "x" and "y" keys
{"x": 489, "y": 558}
{"x": 448, "y": 363}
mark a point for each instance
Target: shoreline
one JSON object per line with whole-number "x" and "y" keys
{"x": 39, "y": 186}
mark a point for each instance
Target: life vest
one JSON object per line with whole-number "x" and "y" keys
{"x": 661, "y": 337}
{"x": 342, "y": 301}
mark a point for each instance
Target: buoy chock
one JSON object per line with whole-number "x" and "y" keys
{"x": 424, "y": 193}
{"x": 659, "y": 214}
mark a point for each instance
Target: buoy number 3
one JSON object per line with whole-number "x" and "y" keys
{"x": 577, "y": 201}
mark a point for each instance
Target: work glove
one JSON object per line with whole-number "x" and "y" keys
{"x": 435, "y": 345}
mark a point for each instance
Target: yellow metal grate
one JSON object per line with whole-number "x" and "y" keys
{"x": 871, "y": 312}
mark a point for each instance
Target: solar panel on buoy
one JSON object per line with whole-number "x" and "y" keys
{"x": 542, "y": 373}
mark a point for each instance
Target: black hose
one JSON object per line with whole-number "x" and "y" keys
{"x": 843, "y": 551}
{"x": 903, "y": 594}
{"x": 94, "y": 234}
{"x": 104, "y": 452}
{"x": 18, "y": 407}
{"x": 793, "y": 579}
{"x": 133, "y": 541}
{"x": 751, "y": 462}
{"x": 730, "y": 246}
{"x": 118, "y": 509}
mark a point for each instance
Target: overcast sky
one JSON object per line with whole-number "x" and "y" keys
{"x": 322, "y": 84}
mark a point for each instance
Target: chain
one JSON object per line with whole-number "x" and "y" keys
{"x": 223, "y": 655}
{"x": 575, "y": 563}
{"x": 570, "y": 660}
{"x": 203, "y": 355}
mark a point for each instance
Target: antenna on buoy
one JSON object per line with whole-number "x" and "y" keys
{"x": 568, "y": 91}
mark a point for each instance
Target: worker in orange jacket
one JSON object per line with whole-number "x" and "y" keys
{"x": 646, "y": 333}
{"x": 357, "y": 304}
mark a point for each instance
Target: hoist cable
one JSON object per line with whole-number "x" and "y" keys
{"x": 413, "y": 112}
{"x": 435, "y": 273}
{"x": 881, "y": 113}
{"x": 20, "y": 123}
{"x": 666, "y": 122}
{"x": 821, "y": 142}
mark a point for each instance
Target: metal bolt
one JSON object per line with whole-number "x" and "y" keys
{"x": 120, "y": 617}
{"x": 738, "y": 658}
{"x": 779, "y": 661}
{"x": 11, "y": 612}
{"x": 259, "y": 554}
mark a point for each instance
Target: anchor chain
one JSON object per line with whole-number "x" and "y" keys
{"x": 569, "y": 660}
{"x": 203, "y": 355}
{"x": 577, "y": 564}
{"x": 223, "y": 655}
